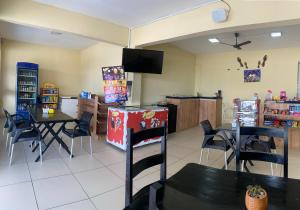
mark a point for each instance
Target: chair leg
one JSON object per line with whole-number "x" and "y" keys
{"x": 272, "y": 171}
{"x": 72, "y": 144}
{"x": 91, "y": 146}
{"x": 9, "y": 145}
{"x": 201, "y": 156}
{"x": 7, "y": 137}
{"x": 243, "y": 163}
{"x": 81, "y": 142}
{"x": 225, "y": 159}
{"x": 276, "y": 165}
{"x": 11, "y": 154}
{"x": 207, "y": 154}
{"x": 41, "y": 155}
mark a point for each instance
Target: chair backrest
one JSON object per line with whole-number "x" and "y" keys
{"x": 10, "y": 121}
{"x": 84, "y": 121}
{"x": 206, "y": 127}
{"x": 133, "y": 170}
{"x": 6, "y": 117}
{"x": 243, "y": 154}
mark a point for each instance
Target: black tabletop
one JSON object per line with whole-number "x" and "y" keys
{"x": 38, "y": 116}
{"x": 200, "y": 187}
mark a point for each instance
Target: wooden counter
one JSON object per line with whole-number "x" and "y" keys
{"x": 192, "y": 110}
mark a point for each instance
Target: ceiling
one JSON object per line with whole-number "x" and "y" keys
{"x": 130, "y": 13}
{"x": 261, "y": 40}
{"x": 43, "y": 36}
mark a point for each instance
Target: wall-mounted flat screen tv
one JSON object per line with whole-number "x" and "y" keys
{"x": 142, "y": 61}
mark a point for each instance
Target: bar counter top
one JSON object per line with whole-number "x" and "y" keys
{"x": 193, "y": 97}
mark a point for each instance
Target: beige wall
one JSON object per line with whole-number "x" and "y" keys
{"x": 279, "y": 74}
{"x": 92, "y": 60}
{"x": 177, "y": 77}
{"x": 1, "y": 75}
{"x": 57, "y": 65}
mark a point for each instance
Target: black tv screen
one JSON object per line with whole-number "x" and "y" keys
{"x": 142, "y": 61}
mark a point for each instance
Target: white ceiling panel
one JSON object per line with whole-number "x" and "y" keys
{"x": 260, "y": 38}
{"x": 43, "y": 36}
{"x": 128, "y": 13}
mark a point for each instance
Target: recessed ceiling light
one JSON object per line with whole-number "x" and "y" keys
{"x": 276, "y": 34}
{"x": 56, "y": 33}
{"x": 213, "y": 40}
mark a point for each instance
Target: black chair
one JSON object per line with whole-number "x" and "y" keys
{"x": 19, "y": 120}
{"x": 81, "y": 129}
{"x": 254, "y": 142}
{"x": 224, "y": 143}
{"x": 22, "y": 134}
{"x": 246, "y": 154}
{"x": 132, "y": 170}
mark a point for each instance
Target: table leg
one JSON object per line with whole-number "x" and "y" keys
{"x": 55, "y": 137}
{"x": 44, "y": 136}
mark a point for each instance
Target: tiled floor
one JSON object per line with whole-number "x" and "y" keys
{"x": 97, "y": 182}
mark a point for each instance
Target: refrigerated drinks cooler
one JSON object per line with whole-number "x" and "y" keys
{"x": 246, "y": 112}
{"x": 27, "y": 86}
{"x": 119, "y": 119}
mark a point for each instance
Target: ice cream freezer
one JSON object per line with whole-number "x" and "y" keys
{"x": 138, "y": 118}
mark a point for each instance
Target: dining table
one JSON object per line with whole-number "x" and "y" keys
{"x": 49, "y": 120}
{"x": 199, "y": 187}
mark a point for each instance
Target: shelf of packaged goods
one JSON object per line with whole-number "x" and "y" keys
{"x": 27, "y": 76}
{"x": 49, "y": 95}
{"x": 26, "y": 91}
{"x": 27, "y": 98}
{"x": 283, "y": 117}
{"x": 49, "y": 102}
{"x": 27, "y": 84}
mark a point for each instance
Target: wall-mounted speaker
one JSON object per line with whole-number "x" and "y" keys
{"x": 219, "y": 15}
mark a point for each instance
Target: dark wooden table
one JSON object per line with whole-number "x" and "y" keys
{"x": 49, "y": 121}
{"x": 198, "y": 187}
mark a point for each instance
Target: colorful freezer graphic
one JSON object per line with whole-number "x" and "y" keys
{"x": 120, "y": 119}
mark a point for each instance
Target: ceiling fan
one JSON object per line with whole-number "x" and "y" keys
{"x": 237, "y": 45}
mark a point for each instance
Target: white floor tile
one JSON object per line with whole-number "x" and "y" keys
{"x": 18, "y": 155}
{"x": 81, "y": 205}
{"x": 98, "y": 181}
{"x": 57, "y": 191}
{"x": 179, "y": 151}
{"x": 49, "y": 168}
{"x": 18, "y": 197}
{"x": 113, "y": 200}
{"x": 83, "y": 163}
{"x": 112, "y": 156}
{"x": 14, "y": 174}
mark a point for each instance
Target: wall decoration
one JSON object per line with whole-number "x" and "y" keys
{"x": 259, "y": 63}
{"x": 240, "y": 61}
{"x": 252, "y": 75}
{"x": 264, "y": 60}
{"x": 113, "y": 73}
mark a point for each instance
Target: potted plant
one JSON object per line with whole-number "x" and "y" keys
{"x": 256, "y": 198}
